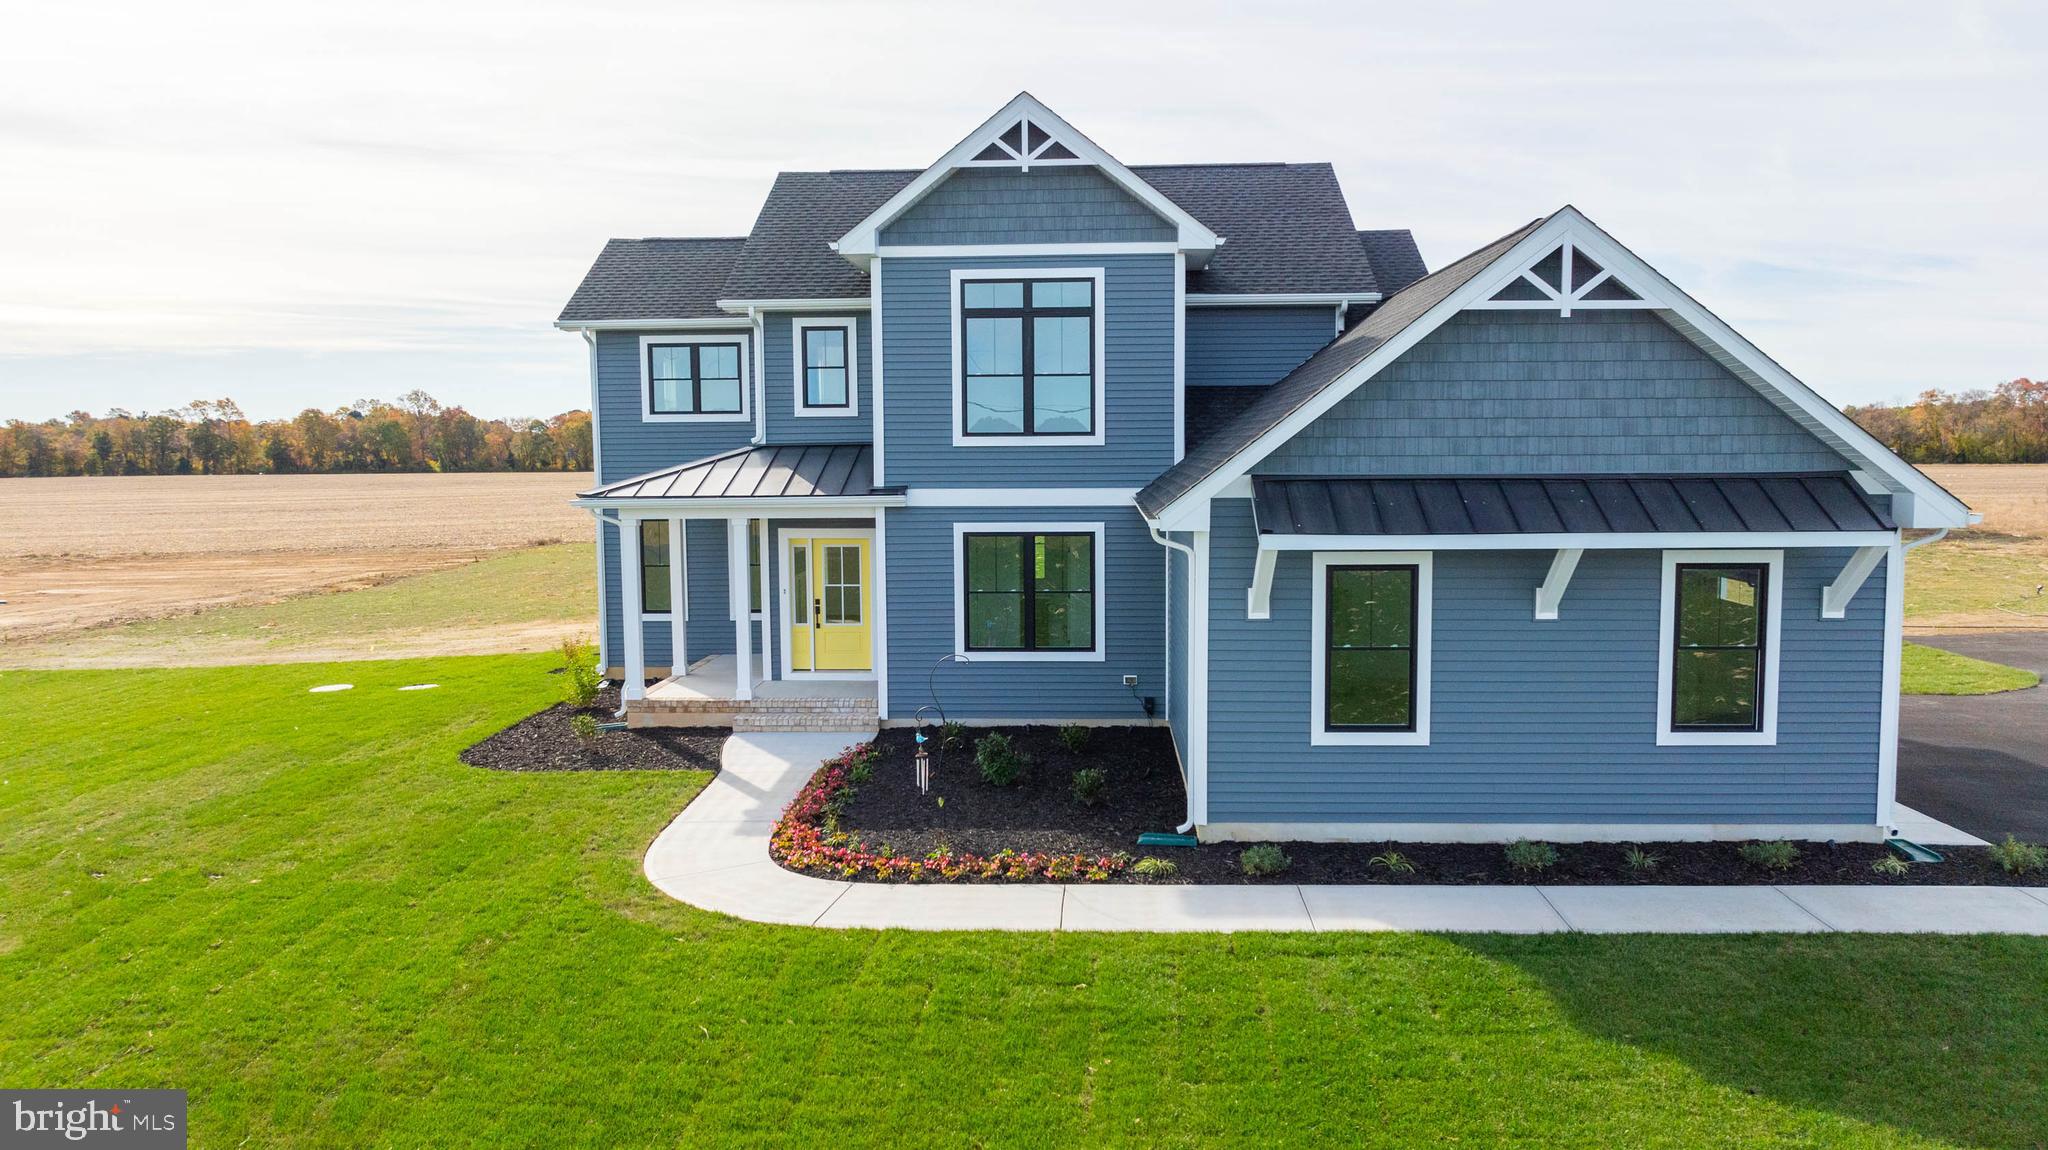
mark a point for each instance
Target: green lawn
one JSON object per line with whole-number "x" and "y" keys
{"x": 1933, "y": 671}
{"x": 305, "y": 911}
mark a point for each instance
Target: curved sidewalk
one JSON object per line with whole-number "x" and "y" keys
{"x": 714, "y": 855}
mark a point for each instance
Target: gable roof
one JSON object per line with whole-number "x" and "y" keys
{"x": 656, "y": 279}
{"x": 1396, "y": 261}
{"x": 1286, "y": 227}
{"x": 1299, "y": 387}
{"x": 1396, "y": 325}
{"x": 789, "y": 253}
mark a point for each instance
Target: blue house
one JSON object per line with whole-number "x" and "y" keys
{"x": 1530, "y": 545}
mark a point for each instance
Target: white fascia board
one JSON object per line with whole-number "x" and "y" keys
{"x": 971, "y": 251}
{"x": 826, "y": 505}
{"x": 741, "y": 306}
{"x": 1282, "y": 299}
{"x": 1020, "y": 496}
{"x": 1613, "y": 541}
{"x": 697, "y": 323}
{"x": 861, "y": 241}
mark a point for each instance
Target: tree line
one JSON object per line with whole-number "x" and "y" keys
{"x": 2003, "y": 424}
{"x": 213, "y": 437}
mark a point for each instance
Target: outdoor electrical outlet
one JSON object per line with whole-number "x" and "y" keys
{"x": 1130, "y": 680}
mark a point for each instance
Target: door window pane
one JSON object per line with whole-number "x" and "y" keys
{"x": 1717, "y": 671}
{"x": 1369, "y": 653}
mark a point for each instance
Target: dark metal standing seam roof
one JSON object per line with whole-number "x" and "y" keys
{"x": 777, "y": 471}
{"x": 1560, "y": 504}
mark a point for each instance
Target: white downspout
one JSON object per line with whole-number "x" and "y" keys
{"x": 1925, "y": 540}
{"x": 1161, "y": 539}
{"x": 760, "y": 379}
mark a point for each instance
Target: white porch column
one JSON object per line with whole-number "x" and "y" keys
{"x": 678, "y": 599}
{"x": 879, "y": 636}
{"x": 742, "y": 612}
{"x": 767, "y": 605}
{"x": 635, "y": 684}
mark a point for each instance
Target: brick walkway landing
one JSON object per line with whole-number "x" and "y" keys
{"x": 703, "y": 697}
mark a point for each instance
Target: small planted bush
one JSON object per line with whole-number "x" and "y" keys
{"x": 1393, "y": 862}
{"x": 952, "y": 735}
{"x": 860, "y": 762}
{"x": 580, "y": 677}
{"x": 1640, "y": 861}
{"x": 1891, "y": 866}
{"x": 2016, "y": 857}
{"x": 1090, "y": 786}
{"x": 1000, "y": 762}
{"x": 1074, "y": 737}
{"x": 1263, "y": 859}
{"x": 585, "y": 726}
{"x": 1526, "y": 855}
{"x": 1150, "y": 867}
{"x": 1774, "y": 855}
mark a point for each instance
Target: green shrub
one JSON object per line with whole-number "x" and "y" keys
{"x": 1263, "y": 859}
{"x": 1640, "y": 861}
{"x": 1149, "y": 867}
{"x": 1774, "y": 855}
{"x": 1525, "y": 855}
{"x": 1891, "y": 865}
{"x": 1090, "y": 786}
{"x": 2016, "y": 857}
{"x": 1393, "y": 862}
{"x": 580, "y": 677}
{"x": 1000, "y": 762}
{"x": 585, "y": 726}
{"x": 952, "y": 735}
{"x": 1074, "y": 737}
{"x": 861, "y": 760}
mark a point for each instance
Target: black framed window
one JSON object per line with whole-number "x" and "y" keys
{"x": 654, "y": 567}
{"x": 1717, "y": 672}
{"x": 754, "y": 532}
{"x": 1369, "y": 648}
{"x": 827, "y": 382}
{"x": 1028, "y": 357}
{"x": 1029, "y": 592}
{"x": 694, "y": 379}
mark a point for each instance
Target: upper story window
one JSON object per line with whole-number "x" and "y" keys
{"x": 702, "y": 378}
{"x": 1718, "y": 681}
{"x": 827, "y": 367}
{"x": 1029, "y": 357}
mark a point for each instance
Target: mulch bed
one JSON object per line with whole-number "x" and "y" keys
{"x": 1039, "y": 815}
{"x": 546, "y": 742}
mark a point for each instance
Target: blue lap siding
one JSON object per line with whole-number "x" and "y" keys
{"x": 1253, "y": 346}
{"x": 778, "y": 337}
{"x": 921, "y": 579}
{"x": 1539, "y": 721}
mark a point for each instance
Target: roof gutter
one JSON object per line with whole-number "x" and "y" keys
{"x": 692, "y": 323}
{"x": 749, "y": 306}
{"x": 1281, "y": 299}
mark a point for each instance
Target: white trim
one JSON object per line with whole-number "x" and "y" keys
{"x": 678, "y": 594}
{"x": 1281, "y": 299}
{"x": 1835, "y": 597}
{"x": 961, "y": 528}
{"x": 1100, "y": 386}
{"x": 1259, "y": 596}
{"x": 634, "y": 687}
{"x": 1199, "y": 607}
{"x": 1020, "y": 496}
{"x": 1667, "y": 639}
{"x": 1888, "y": 709}
{"x": 736, "y": 532}
{"x": 1541, "y": 832}
{"x": 787, "y": 600}
{"x": 1017, "y": 251}
{"x": 1550, "y": 595}
{"x": 864, "y": 238}
{"x": 691, "y": 324}
{"x": 1685, "y": 314}
{"x": 1591, "y": 541}
{"x": 760, "y": 380}
{"x": 875, "y": 361}
{"x": 597, "y": 476}
{"x": 743, "y": 306}
{"x": 798, "y": 325}
{"x": 765, "y": 615}
{"x": 1319, "y": 734}
{"x": 739, "y": 340}
{"x": 879, "y": 660}
{"x": 824, "y": 506}
{"x": 1180, "y": 356}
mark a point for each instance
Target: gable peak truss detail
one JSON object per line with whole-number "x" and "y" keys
{"x": 1023, "y": 143}
{"x": 1564, "y": 278}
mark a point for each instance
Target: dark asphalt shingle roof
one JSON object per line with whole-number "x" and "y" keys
{"x": 654, "y": 279}
{"x": 776, "y": 471}
{"x": 1304, "y": 383}
{"x": 1211, "y": 409}
{"x": 1286, "y": 227}
{"x": 788, "y": 254}
{"x": 1396, "y": 261}
{"x": 1557, "y": 504}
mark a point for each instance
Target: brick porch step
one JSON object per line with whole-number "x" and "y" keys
{"x": 779, "y": 714}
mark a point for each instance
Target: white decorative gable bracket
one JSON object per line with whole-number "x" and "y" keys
{"x": 1564, "y": 278}
{"x": 1027, "y": 133}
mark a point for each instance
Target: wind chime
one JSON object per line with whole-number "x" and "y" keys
{"x": 924, "y": 765}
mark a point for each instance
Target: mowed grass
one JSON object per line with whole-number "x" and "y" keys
{"x": 1933, "y": 671}
{"x": 305, "y": 911}
{"x": 1973, "y": 581}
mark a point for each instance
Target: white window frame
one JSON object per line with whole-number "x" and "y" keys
{"x": 964, "y": 528}
{"x": 1319, "y": 733}
{"x": 649, "y": 415}
{"x": 797, "y": 327}
{"x": 1097, "y": 438}
{"x": 1667, "y": 643}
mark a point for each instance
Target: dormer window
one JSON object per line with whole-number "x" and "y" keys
{"x": 1029, "y": 362}
{"x": 699, "y": 378}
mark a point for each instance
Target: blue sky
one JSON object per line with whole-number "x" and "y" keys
{"x": 305, "y": 205}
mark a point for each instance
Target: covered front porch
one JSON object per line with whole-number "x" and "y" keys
{"x": 757, "y": 578}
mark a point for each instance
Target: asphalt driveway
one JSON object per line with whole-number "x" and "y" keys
{"x": 1980, "y": 762}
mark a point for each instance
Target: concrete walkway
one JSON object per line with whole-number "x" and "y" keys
{"x": 715, "y": 856}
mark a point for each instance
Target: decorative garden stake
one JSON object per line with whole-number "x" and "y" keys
{"x": 924, "y": 767}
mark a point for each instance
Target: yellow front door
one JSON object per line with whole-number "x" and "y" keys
{"x": 829, "y": 607}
